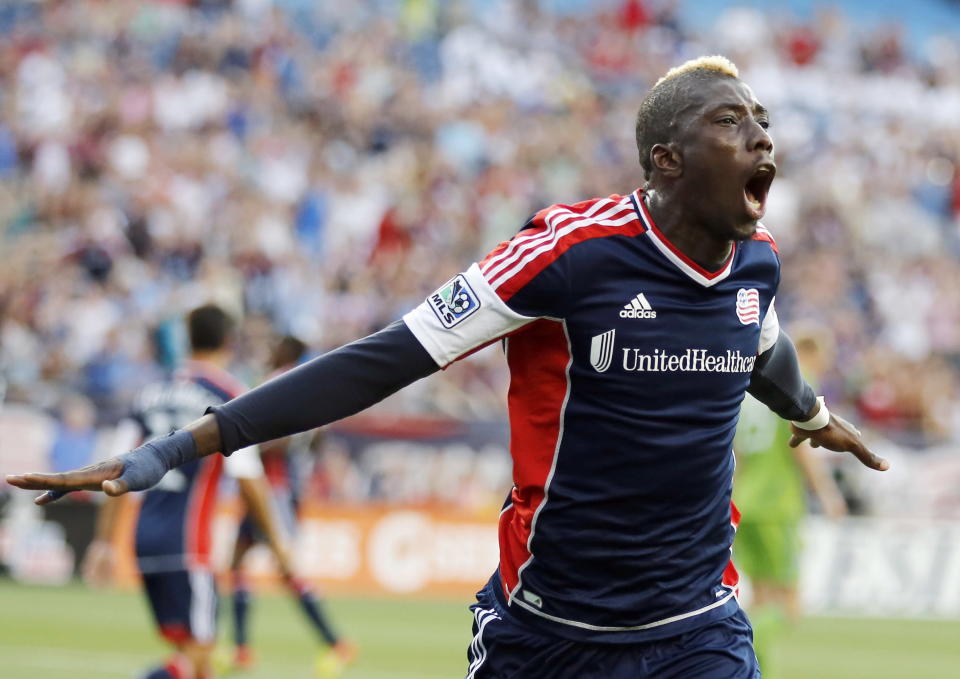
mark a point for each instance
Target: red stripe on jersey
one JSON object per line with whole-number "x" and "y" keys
{"x": 495, "y": 253}
{"x": 199, "y": 512}
{"x": 538, "y": 356}
{"x": 709, "y": 275}
{"x": 219, "y": 378}
{"x": 762, "y": 234}
{"x": 509, "y": 251}
{"x": 731, "y": 578}
{"x": 620, "y": 220}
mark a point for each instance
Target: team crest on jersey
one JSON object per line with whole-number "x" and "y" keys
{"x": 601, "y": 350}
{"x": 748, "y": 306}
{"x": 454, "y": 301}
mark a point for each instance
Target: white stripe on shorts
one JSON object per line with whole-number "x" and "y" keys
{"x": 203, "y": 606}
{"x": 477, "y": 650}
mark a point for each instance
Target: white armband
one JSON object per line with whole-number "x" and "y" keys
{"x": 818, "y": 421}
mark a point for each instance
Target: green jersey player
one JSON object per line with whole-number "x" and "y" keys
{"x": 770, "y": 492}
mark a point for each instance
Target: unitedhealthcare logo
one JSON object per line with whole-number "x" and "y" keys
{"x": 691, "y": 360}
{"x": 601, "y": 351}
{"x": 661, "y": 360}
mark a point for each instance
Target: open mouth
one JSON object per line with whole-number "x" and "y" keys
{"x": 756, "y": 189}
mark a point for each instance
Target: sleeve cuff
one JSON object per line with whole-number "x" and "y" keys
{"x": 229, "y": 440}
{"x": 818, "y": 421}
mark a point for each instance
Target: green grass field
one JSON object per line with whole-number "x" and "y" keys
{"x": 101, "y": 635}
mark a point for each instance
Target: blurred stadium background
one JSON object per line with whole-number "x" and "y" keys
{"x": 319, "y": 167}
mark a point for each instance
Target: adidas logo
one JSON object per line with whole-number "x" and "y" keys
{"x": 638, "y": 307}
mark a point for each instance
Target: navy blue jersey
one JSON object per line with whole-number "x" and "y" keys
{"x": 174, "y": 526}
{"x": 628, "y": 364}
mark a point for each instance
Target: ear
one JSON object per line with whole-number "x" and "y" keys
{"x": 666, "y": 160}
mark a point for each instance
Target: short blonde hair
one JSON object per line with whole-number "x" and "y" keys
{"x": 715, "y": 62}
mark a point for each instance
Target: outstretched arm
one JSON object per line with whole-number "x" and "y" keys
{"x": 335, "y": 385}
{"x": 777, "y": 382}
{"x": 471, "y": 310}
{"x": 328, "y": 388}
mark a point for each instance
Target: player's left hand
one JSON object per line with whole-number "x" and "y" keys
{"x": 841, "y": 437}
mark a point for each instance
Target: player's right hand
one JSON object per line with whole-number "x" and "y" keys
{"x": 139, "y": 469}
{"x": 103, "y": 476}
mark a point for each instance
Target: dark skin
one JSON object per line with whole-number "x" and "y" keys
{"x": 696, "y": 197}
{"x": 695, "y": 193}
{"x": 699, "y": 196}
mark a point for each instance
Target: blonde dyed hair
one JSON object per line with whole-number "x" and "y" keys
{"x": 715, "y": 62}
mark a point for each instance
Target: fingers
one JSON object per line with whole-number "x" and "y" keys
{"x": 797, "y": 437}
{"x": 869, "y": 459}
{"x": 87, "y": 478}
{"x": 113, "y": 488}
{"x": 36, "y": 481}
{"x": 49, "y": 496}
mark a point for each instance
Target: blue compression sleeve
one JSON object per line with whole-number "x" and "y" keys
{"x": 777, "y": 381}
{"x": 143, "y": 467}
{"x": 335, "y": 385}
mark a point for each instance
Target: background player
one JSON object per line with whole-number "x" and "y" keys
{"x": 173, "y": 534}
{"x": 769, "y": 489}
{"x": 619, "y": 525}
{"x": 281, "y": 463}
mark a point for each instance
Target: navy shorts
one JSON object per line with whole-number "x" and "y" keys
{"x": 184, "y": 605}
{"x": 502, "y": 648}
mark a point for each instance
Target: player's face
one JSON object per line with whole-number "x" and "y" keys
{"x": 727, "y": 157}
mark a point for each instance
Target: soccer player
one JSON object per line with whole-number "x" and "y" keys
{"x": 281, "y": 475}
{"x": 633, "y": 325}
{"x": 769, "y": 490}
{"x": 173, "y": 534}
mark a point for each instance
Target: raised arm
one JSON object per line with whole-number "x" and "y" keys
{"x": 505, "y": 291}
{"x": 333, "y": 386}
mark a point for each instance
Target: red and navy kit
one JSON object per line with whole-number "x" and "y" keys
{"x": 173, "y": 537}
{"x": 628, "y": 364}
{"x": 174, "y": 528}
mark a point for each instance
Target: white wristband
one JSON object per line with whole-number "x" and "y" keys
{"x": 818, "y": 421}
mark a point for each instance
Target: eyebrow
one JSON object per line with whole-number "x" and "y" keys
{"x": 758, "y": 108}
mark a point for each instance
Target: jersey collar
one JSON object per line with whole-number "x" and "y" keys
{"x": 672, "y": 253}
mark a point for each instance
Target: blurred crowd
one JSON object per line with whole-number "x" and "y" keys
{"x": 319, "y": 167}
